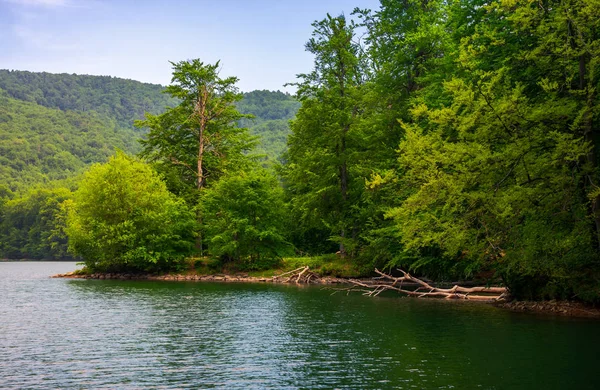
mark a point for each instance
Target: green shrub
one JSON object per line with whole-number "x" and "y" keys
{"x": 123, "y": 218}
{"x": 243, "y": 217}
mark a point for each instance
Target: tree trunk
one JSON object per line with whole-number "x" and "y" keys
{"x": 200, "y": 113}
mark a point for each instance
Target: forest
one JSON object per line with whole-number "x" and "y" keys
{"x": 454, "y": 139}
{"x": 53, "y": 127}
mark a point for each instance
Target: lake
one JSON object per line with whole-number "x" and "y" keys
{"x": 70, "y": 333}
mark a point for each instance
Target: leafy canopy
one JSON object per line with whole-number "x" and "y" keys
{"x": 198, "y": 140}
{"x": 123, "y": 218}
{"x": 244, "y": 216}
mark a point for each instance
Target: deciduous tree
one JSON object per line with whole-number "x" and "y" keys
{"x": 123, "y": 218}
{"x": 325, "y": 137}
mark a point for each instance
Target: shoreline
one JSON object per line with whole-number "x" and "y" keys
{"x": 546, "y": 308}
{"x": 235, "y": 278}
{"x": 553, "y": 307}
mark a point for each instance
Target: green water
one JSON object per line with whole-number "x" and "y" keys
{"x": 57, "y": 333}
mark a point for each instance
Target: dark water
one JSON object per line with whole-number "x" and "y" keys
{"x": 57, "y": 333}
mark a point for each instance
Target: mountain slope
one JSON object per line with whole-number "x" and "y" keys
{"x": 39, "y": 144}
{"x": 52, "y": 126}
{"x": 120, "y": 99}
{"x": 272, "y": 111}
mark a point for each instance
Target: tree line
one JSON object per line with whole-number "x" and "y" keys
{"x": 456, "y": 139}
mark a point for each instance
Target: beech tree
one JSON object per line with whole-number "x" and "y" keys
{"x": 123, "y": 218}
{"x": 199, "y": 139}
{"x": 325, "y": 137}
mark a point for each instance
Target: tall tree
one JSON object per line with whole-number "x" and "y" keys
{"x": 325, "y": 136}
{"x": 199, "y": 138}
{"x": 410, "y": 51}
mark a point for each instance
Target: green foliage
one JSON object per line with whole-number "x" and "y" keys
{"x": 199, "y": 140}
{"x": 123, "y": 218}
{"x": 32, "y": 225}
{"x": 271, "y": 113}
{"x": 119, "y": 99}
{"x": 39, "y": 145}
{"x": 484, "y": 178}
{"x": 495, "y": 108}
{"x": 244, "y": 217}
{"x": 497, "y": 177}
{"x": 322, "y": 174}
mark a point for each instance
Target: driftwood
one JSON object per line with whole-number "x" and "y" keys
{"x": 302, "y": 275}
{"x": 386, "y": 282}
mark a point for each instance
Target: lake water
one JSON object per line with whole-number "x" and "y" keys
{"x": 60, "y": 333}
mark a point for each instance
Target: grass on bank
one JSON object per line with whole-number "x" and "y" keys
{"x": 323, "y": 265}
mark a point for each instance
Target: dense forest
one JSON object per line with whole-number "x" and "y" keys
{"x": 122, "y": 100}
{"x": 54, "y": 126}
{"x": 454, "y": 139}
{"x": 271, "y": 113}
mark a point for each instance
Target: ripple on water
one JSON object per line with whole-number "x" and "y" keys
{"x": 57, "y": 333}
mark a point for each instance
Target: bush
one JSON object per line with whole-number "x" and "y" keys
{"x": 123, "y": 218}
{"x": 243, "y": 216}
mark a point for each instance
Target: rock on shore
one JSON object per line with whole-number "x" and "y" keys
{"x": 240, "y": 278}
{"x": 562, "y": 308}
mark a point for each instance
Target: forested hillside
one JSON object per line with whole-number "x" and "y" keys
{"x": 54, "y": 126}
{"x": 39, "y": 144}
{"x": 119, "y": 99}
{"x": 272, "y": 112}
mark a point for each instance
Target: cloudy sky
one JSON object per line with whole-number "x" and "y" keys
{"x": 259, "y": 41}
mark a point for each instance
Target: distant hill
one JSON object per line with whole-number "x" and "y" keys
{"x": 52, "y": 126}
{"x": 40, "y": 144}
{"x": 119, "y": 99}
{"x": 272, "y": 110}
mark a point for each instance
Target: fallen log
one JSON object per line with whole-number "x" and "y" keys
{"x": 387, "y": 282}
{"x": 302, "y": 275}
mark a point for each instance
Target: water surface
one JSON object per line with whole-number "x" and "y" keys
{"x": 60, "y": 333}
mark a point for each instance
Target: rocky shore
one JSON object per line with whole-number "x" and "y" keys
{"x": 561, "y": 308}
{"x": 236, "y": 278}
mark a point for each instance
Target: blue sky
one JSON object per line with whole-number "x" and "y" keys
{"x": 259, "y": 41}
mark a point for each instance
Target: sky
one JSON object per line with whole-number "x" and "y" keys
{"x": 259, "y": 41}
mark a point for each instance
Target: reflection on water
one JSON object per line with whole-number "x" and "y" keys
{"x": 129, "y": 334}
